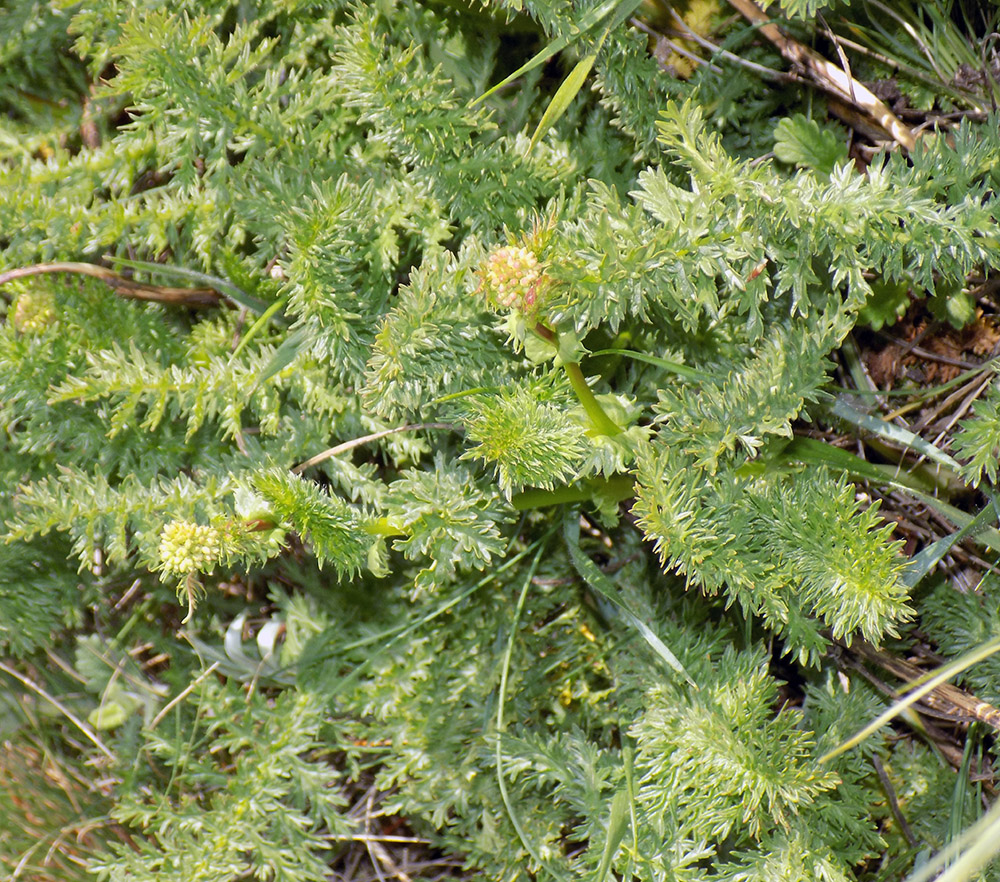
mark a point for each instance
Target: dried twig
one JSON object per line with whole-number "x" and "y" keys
{"x": 59, "y": 706}
{"x": 194, "y": 297}
{"x": 182, "y": 695}
{"x": 827, "y": 76}
{"x": 949, "y": 701}
{"x": 366, "y": 439}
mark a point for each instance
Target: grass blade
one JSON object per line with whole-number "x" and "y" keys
{"x": 564, "y": 96}
{"x": 809, "y": 451}
{"x": 944, "y": 673}
{"x": 590, "y": 20}
{"x": 617, "y": 825}
{"x": 603, "y": 586}
{"x": 980, "y": 843}
{"x": 255, "y": 328}
{"x": 284, "y": 355}
{"x": 502, "y": 723}
{"x": 891, "y": 432}
{"x": 921, "y": 564}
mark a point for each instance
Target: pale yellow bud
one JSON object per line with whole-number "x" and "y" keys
{"x": 34, "y": 311}
{"x": 513, "y": 279}
{"x": 186, "y": 547}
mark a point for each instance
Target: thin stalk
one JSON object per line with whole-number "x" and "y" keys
{"x": 598, "y": 417}
{"x": 501, "y": 724}
{"x": 602, "y": 422}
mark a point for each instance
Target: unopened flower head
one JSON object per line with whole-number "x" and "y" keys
{"x": 187, "y": 548}
{"x": 513, "y": 278}
{"x": 34, "y": 311}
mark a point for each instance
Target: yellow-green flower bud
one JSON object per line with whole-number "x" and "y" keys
{"x": 187, "y": 548}
{"x": 34, "y": 311}
{"x": 512, "y": 278}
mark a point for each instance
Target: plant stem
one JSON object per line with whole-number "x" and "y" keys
{"x": 602, "y": 422}
{"x": 598, "y": 418}
{"x": 618, "y": 486}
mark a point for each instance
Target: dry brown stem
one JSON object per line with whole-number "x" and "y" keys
{"x": 194, "y": 297}
{"x": 827, "y": 76}
{"x": 949, "y": 701}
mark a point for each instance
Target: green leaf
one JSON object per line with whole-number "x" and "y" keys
{"x": 618, "y": 819}
{"x": 923, "y": 562}
{"x": 256, "y": 327}
{"x": 564, "y": 96}
{"x": 333, "y": 529}
{"x": 285, "y": 354}
{"x": 800, "y": 141}
{"x": 529, "y": 442}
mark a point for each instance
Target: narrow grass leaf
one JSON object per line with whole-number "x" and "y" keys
{"x": 617, "y": 825}
{"x": 564, "y": 96}
{"x": 502, "y": 723}
{"x": 284, "y": 355}
{"x": 967, "y": 854}
{"x": 984, "y": 535}
{"x": 591, "y": 19}
{"x": 960, "y": 792}
{"x": 891, "y": 432}
{"x": 255, "y": 328}
{"x": 944, "y": 673}
{"x": 810, "y": 451}
{"x": 921, "y": 564}
{"x": 570, "y": 87}
{"x": 604, "y": 587}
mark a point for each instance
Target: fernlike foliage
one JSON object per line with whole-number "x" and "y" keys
{"x": 500, "y": 334}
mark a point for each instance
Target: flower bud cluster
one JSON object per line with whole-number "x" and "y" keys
{"x": 187, "y": 548}
{"x": 513, "y": 278}
{"x": 34, "y": 311}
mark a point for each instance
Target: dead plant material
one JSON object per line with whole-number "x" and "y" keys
{"x": 945, "y": 701}
{"x": 925, "y": 354}
{"x": 832, "y": 79}
{"x": 197, "y": 298}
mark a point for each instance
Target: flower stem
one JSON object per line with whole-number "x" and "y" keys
{"x": 598, "y": 417}
{"x": 602, "y": 422}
